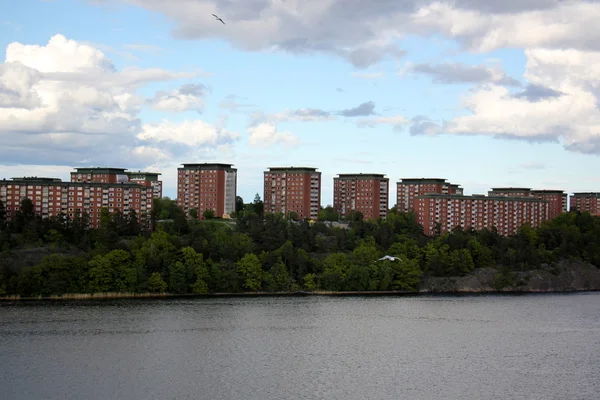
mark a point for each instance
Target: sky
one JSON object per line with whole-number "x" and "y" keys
{"x": 484, "y": 93}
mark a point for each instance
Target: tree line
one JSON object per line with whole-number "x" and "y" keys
{"x": 259, "y": 251}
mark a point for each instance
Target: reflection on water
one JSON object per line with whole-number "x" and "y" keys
{"x": 469, "y": 347}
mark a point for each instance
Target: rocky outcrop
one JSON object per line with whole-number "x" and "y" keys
{"x": 564, "y": 276}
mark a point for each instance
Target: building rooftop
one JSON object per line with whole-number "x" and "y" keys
{"x": 58, "y": 182}
{"x": 548, "y": 191}
{"x": 100, "y": 169}
{"x": 208, "y": 165}
{"x": 36, "y": 178}
{"x": 511, "y": 189}
{"x": 291, "y": 169}
{"x": 586, "y": 194}
{"x": 143, "y": 173}
{"x": 422, "y": 180}
{"x": 480, "y": 197}
{"x": 362, "y": 175}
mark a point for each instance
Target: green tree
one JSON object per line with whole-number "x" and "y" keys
{"x": 281, "y": 276}
{"x": 156, "y": 283}
{"x": 112, "y": 272}
{"x": 309, "y": 282}
{"x": 193, "y": 212}
{"x": 407, "y": 274}
{"x": 177, "y": 278}
{"x": 328, "y": 214}
{"x": 2, "y": 215}
{"x": 251, "y": 272}
{"x": 54, "y": 238}
{"x": 335, "y": 270}
{"x": 208, "y": 214}
{"x": 258, "y": 206}
{"x": 239, "y": 204}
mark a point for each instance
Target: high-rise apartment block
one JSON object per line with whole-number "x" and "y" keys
{"x": 557, "y": 199}
{"x": 51, "y": 197}
{"x": 506, "y": 213}
{"x": 147, "y": 179}
{"x": 588, "y": 202}
{"x": 366, "y": 193}
{"x": 409, "y": 188}
{"x": 293, "y": 190}
{"x": 207, "y": 186}
{"x": 118, "y": 175}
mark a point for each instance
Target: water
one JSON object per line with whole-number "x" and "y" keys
{"x": 472, "y": 347}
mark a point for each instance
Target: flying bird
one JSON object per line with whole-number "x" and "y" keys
{"x": 218, "y": 19}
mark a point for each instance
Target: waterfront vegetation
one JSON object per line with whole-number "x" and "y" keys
{"x": 266, "y": 252}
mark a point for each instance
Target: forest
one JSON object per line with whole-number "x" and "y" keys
{"x": 262, "y": 252}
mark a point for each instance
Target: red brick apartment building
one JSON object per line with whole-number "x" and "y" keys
{"x": 588, "y": 202}
{"x": 118, "y": 175}
{"x": 367, "y": 193}
{"x": 293, "y": 189}
{"x": 409, "y": 188}
{"x": 51, "y": 197}
{"x": 207, "y": 186}
{"x": 557, "y": 199}
{"x": 505, "y": 213}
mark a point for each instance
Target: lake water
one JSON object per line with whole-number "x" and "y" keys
{"x": 464, "y": 347}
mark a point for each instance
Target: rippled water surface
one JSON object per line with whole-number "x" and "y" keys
{"x": 473, "y": 347}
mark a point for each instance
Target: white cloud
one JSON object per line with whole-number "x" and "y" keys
{"x": 564, "y": 24}
{"x": 397, "y": 121}
{"x": 266, "y": 134}
{"x": 573, "y": 116}
{"x": 189, "y": 133}
{"x": 368, "y": 75}
{"x": 364, "y": 36}
{"x": 189, "y": 97}
{"x": 66, "y": 101}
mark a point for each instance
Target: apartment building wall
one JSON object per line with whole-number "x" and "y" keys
{"x": 293, "y": 189}
{"x": 118, "y": 175}
{"x": 366, "y": 193}
{"x": 409, "y": 188}
{"x": 51, "y": 197}
{"x": 585, "y": 202}
{"x": 207, "y": 186}
{"x": 505, "y": 213}
{"x": 557, "y": 199}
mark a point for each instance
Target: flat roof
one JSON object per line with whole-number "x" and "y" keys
{"x": 361, "y": 175}
{"x": 58, "y": 182}
{"x": 79, "y": 169}
{"x": 206, "y": 166}
{"x": 36, "y": 178}
{"x": 586, "y": 194}
{"x": 549, "y": 191}
{"x": 291, "y": 169}
{"x": 480, "y": 197}
{"x": 143, "y": 173}
{"x": 510, "y": 189}
{"x": 422, "y": 180}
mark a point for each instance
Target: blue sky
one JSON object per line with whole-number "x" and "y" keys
{"x": 522, "y": 87}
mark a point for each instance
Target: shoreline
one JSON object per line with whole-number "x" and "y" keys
{"x": 146, "y": 296}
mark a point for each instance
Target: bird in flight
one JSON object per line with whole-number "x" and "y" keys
{"x": 218, "y": 19}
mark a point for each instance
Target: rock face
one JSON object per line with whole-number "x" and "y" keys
{"x": 564, "y": 276}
